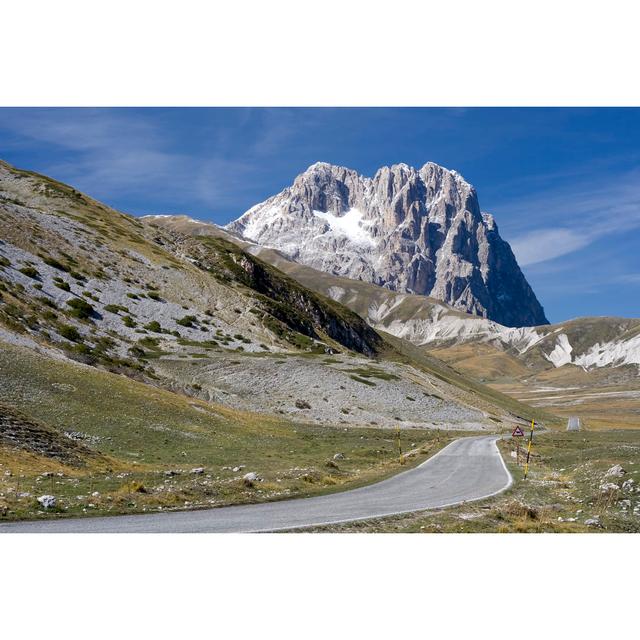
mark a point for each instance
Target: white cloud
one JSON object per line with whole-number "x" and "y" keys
{"x": 546, "y": 244}
{"x": 117, "y": 151}
{"x": 586, "y": 211}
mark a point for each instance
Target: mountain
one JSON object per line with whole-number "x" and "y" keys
{"x": 412, "y": 231}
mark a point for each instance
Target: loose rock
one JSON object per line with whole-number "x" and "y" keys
{"x": 47, "y": 501}
{"x": 615, "y": 472}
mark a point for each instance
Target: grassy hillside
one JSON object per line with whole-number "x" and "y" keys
{"x": 137, "y": 445}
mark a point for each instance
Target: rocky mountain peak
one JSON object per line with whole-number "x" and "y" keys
{"x": 410, "y": 230}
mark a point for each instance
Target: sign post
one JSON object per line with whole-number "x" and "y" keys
{"x": 526, "y": 464}
{"x": 517, "y": 433}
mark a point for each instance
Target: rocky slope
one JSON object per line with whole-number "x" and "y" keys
{"x": 409, "y": 230}
{"x": 587, "y": 367}
{"x": 588, "y": 343}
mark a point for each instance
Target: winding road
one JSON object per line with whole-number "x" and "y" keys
{"x": 465, "y": 470}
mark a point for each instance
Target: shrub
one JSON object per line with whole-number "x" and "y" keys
{"x": 137, "y": 352}
{"x": 154, "y": 326}
{"x": 112, "y": 308}
{"x": 69, "y": 332}
{"x": 187, "y": 321}
{"x": 128, "y": 321}
{"x": 30, "y": 272}
{"x": 4, "y": 262}
{"x": 80, "y": 308}
{"x": 154, "y": 295}
{"x": 56, "y": 264}
{"x": 149, "y": 342}
{"x": 61, "y": 284}
{"x": 133, "y": 296}
{"x": 47, "y": 301}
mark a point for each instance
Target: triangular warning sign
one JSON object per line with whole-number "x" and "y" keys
{"x": 517, "y": 432}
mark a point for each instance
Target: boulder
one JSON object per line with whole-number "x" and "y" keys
{"x": 615, "y": 472}
{"x": 47, "y": 501}
{"x": 608, "y": 487}
{"x": 252, "y": 476}
{"x": 627, "y": 485}
{"x": 592, "y": 522}
{"x": 197, "y": 470}
{"x": 338, "y": 456}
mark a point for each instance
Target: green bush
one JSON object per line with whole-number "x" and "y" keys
{"x": 187, "y": 321}
{"x": 69, "y": 332}
{"x": 128, "y": 321}
{"x": 149, "y": 342}
{"x": 137, "y": 352}
{"x": 30, "y": 272}
{"x": 154, "y": 326}
{"x": 80, "y": 308}
{"x": 114, "y": 308}
{"x": 47, "y": 301}
{"x": 56, "y": 264}
{"x": 61, "y": 284}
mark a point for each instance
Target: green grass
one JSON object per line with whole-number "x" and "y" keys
{"x": 146, "y": 430}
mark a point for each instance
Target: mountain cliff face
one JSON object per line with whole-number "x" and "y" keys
{"x": 415, "y": 231}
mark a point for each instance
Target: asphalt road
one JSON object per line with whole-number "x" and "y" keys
{"x": 465, "y": 470}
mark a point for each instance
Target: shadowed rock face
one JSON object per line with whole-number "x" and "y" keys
{"x": 416, "y": 231}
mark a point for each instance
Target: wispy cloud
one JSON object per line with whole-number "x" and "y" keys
{"x": 119, "y": 152}
{"x": 547, "y": 244}
{"x": 561, "y": 221}
{"x": 629, "y": 278}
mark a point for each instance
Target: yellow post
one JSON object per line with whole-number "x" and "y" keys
{"x": 526, "y": 464}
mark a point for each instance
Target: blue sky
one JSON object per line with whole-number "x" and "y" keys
{"x": 563, "y": 184}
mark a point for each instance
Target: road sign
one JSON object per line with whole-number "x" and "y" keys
{"x": 517, "y": 433}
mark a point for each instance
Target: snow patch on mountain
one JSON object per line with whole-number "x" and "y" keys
{"x": 561, "y": 353}
{"x": 349, "y": 224}
{"x": 613, "y": 354}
